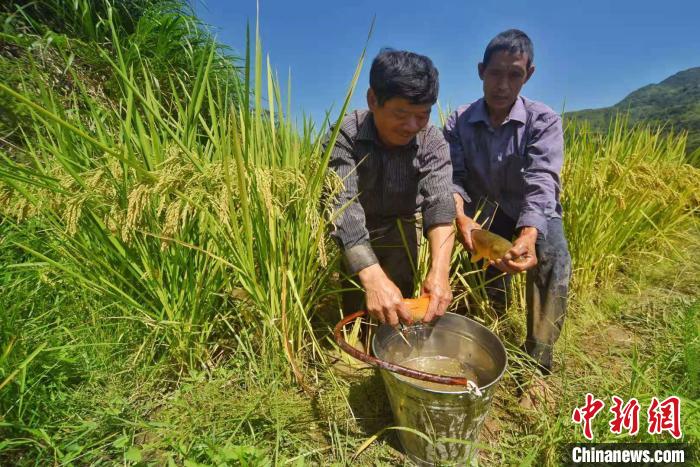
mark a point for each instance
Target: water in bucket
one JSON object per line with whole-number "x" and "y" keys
{"x": 438, "y": 365}
{"x": 451, "y": 416}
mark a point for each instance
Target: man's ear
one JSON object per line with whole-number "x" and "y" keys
{"x": 481, "y": 67}
{"x": 530, "y": 72}
{"x": 371, "y": 99}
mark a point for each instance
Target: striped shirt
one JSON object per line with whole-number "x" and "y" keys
{"x": 381, "y": 184}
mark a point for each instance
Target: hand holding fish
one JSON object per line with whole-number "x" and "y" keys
{"x": 437, "y": 286}
{"x": 384, "y": 300}
{"x": 504, "y": 255}
{"x": 465, "y": 225}
{"x": 522, "y": 256}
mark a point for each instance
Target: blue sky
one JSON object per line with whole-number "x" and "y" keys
{"x": 588, "y": 54}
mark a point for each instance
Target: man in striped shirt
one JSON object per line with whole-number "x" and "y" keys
{"x": 395, "y": 168}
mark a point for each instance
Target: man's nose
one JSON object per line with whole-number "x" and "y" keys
{"x": 413, "y": 125}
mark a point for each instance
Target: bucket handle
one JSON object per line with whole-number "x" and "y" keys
{"x": 402, "y": 370}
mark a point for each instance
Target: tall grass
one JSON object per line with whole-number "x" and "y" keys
{"x": 623, "y": 191}
{"x": 81, "y": 19}
{"x": 198, "y": 222}
{"x": 64, "y": 43}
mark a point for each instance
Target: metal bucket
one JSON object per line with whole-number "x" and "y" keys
{"x": 448, "y": 409}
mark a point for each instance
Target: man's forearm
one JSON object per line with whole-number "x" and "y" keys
{"x": 528, "y": 233}
{"x": 459, "y": 204}
{"x": 441, "y": 240}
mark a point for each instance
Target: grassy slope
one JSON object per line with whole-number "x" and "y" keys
{"x": 640, "y": 339}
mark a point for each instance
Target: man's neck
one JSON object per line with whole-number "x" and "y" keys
{"x": 384, "y": 144}
{"x": 497, "y": 118}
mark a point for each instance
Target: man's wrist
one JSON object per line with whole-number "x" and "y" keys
{"x": 463, "y": 218}
{"x": 459, "y": 204}
{"x": 370, "y": 274}
{"x": 528, "y": 232}
{"x": 440, "y": 271}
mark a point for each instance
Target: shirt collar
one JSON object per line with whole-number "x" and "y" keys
{"x": 518, "y": 112}
{"x": 480, "y": 114}
{"x": 368, "y": 132}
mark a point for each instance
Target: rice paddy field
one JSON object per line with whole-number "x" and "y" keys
{"x": 168, "y": 286}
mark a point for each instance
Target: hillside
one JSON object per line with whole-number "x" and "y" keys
{"x": 675, "y": 102}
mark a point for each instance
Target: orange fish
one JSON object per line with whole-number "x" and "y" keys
{"x": 417, "y": 306}
{"x": 490, "y": 246}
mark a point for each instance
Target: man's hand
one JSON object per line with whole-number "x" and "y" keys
{"x": 384, "y": 300}
{"x": 523, "y": 254}
{"x": 465, "y": 224}
{"x": 437, "y": 285}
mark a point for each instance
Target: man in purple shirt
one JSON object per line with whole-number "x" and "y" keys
{"x": 507, "y": 152}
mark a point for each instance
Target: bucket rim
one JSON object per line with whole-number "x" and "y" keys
{"x": 420, "y": 375}
{"x": 468, "y": 390}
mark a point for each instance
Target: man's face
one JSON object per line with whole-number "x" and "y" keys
{"x": 398, "y": 121}
{"x": 503, "y": 78}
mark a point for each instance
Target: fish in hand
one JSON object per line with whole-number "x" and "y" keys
{"x": 418, "y": 307}
{"x": 490, "y": 246}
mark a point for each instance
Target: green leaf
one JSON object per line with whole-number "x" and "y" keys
{"x": 121, "y": 442}
{"x": 133, "y": 454}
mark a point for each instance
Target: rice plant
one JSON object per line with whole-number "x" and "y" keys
{"x": 623, "y": 191}
{"x": 196, "y": 221}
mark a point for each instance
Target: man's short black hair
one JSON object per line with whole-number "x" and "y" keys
{"x": 513, "y": 41}
{"x": 398, "y": 73}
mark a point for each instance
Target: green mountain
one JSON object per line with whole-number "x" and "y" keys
{"x": 674, "y": 102}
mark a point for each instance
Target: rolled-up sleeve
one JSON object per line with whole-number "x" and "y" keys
{"x": 459, "y": 171}
{"x": 348, "y": 219}
{"x": 435, "y": 182}
{"x": 545, "y": 155}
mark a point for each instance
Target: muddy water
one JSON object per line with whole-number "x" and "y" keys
{"x": 443, "y": 366}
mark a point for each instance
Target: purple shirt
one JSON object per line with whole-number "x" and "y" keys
{"x": 516, "y": 165}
